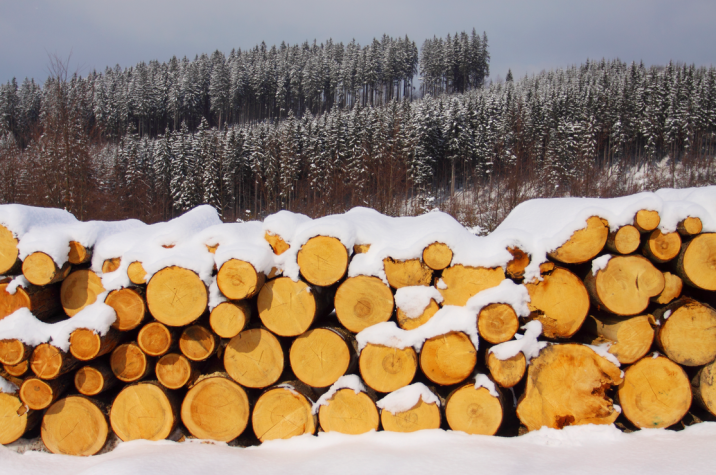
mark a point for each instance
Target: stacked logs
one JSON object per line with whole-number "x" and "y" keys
{"x": 251, "y": 368}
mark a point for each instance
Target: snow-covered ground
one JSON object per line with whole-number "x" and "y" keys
{"x": 584, "y": 450}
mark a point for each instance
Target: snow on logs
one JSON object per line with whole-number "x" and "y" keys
{"x": 221, "y": 313}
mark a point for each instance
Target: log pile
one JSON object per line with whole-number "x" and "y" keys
{"x": 628, "y": 332}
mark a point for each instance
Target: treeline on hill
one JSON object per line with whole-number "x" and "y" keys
{"x": 579, "y": 131}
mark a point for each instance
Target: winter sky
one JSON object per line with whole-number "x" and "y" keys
{"x": 525, "y": 35}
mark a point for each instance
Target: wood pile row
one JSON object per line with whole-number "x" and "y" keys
{"x": 251, "y": 368}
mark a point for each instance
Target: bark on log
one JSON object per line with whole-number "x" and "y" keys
{"x": 631, "y": 338}
{"x": 18, "y": 370}
{"x": 143, "y": 410}
{"x": 507, "y": 373}
{"x": 323, "y": 260}
{"x": 385, "y": 369}
{"x": 175, "y": 371}
{"x": 43, "y": 302}
{"x": 78, "y": 253}
{"x": 656, "y": 393}
{"x": 129, "y": 363}
{"x": 75, "y": 425}
{"x": 38, "y": 394}
{"x": 696, "y": 263}
{"x": 348, "y": 412}
{"x": 567, "y": 385}
{"x": 672, "y": 289}
{"x": 322, "y": 355}
{"x": 624, "y": 240}
{"x": 14, "y": 352}
{"x": 584, "y": 244}
{"x": 689, "y": 227}
{"x": 198, "y": 343}
{"x": 283, "y": 412}
{"x": 703, "y": 386}
{"x": 412, "y": 323}
{"x": 50, "y": 362}
{"x": 87, "y": 345}
{"x": 516, "y": 266}
{"x": 448, "y": 359}
{"x": 136, "y": 273}
{"x": 560, "y": 302}
{"x": 176, "y": 296}
{"x": 130, "y": 305}
{"x": 474, "y": 411}
{"x": 277, "y": 243}
{"x": 646, "y": 220}
{"x": 407, "y": 273}
{"x": 254, "y": 358}
{"x": 289, "y": 308}
{"x": 239, "y": 280}
{"x": 437, "y": 256}
{"x": 625, "y": 286}
{"x": 216, "y": 408}
{"x": 421, "y": 416}
{"x": 464, "y": 282}
{"x": 363, "y": 301}
{"x": 228, "y": 319}
{"x": 687, "y": 332}
{"x": 155, "y": 339}
{"x": 14, "y": 419}
{"x": 497, "y": 322}
{"x": 661, "y": 248}
{"x": 39, "y": 269}
{"x": 95, "y": 378}
{"x": 10, "y": 262}
{"x": 79, "y": 290}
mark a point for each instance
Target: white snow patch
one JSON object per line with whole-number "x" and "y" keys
{"x": 7, "y": 387}
{"x": 441, "y": 284}
{"x": 667, "y": 314}
{"x": 349, "y": 381}
{"x": 415, "y": 299}
{"x": 17, "y": 281}
{"x": 407, "y": 397}
{"x": 527, "y": 343}
{"x": 288, "y": 387}
{"x": 603, "y": 351}
{"x": 20, "y": 219}
{"x": 483, "y": 381}
{"x": 215, "y": 295}
{"x": 600, "y": 263}
{"x": 617, "y": 407}
{"x": 24, "y": 326}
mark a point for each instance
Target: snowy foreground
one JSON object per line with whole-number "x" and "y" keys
{"x": 578, "y": 449}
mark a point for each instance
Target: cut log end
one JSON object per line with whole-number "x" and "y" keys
{"x": 39, "y": 269}
{"x": 287, "y": 308}
{"x": 407, "y": 273}
{"x": 688, "y": 335}
{"x": 281, "y": 413}
{"x": 278, "y": 245}
{"x": 474, "y": 411}
{"x": 111, "y": 265}
{"x": 15, "y": 421}
{"x": 625, "y": 240}
{"x": 497, "y": 323}
{"x": 216, "y": 408}
{"x": 407, "y": 323}
{"x": 704, "y": 387}
{"x": 517, "y": 265}
{"x": 78, "y": 253}
{"x": 656, "y": 393}
{"x": 155, "y": 339}
{"x": 17, "y": 370}
{"x": 93, "y": 379}
{"x": 560, "y": 302}
{"x": 448, "y": 359}
{"x": 323, "y": 260}
{"x": 662, "y": 248}
{"x": 129, "y": 363}
{"x": 175, "y": 371}
{"x": 464, "y": 282}
{"x": 9, "y": 253}
{"x": 385, "y": 369}
{"x": 254, "y": 358}
{"x": 646, "y": 220}
{"x": 421, "y": 416}
{"x": 567, "y": 385}
{"x": 79, "y": 290}
{"x": 349, "y": 412}
{"x": 197, "y": 343}
{"x": 363, "y": 301}
{"x": 690, "y": 226}
{"x": 88, "y": 422}
{"x": 239, "y": 280}
{"x": 176, "y": 296}
{"x": 49, "y": 362}
{"x": 87, "y": 345}
{"x": 631, "y": 338}
{"x": 136, "y": 273}
{"x": 437, "y": 256}
{"x": 228, "y": 319}
{"x": 13, "y": 351}
{"x": 130, "y": 307}
{"x": 507, "y": 373}
{"x": 672, "y": 289}
{"x": 319, "y": 357}
{"x": 142, "y": 411}
{"x": 38, "y": 394}
{"x": 697, "y": 262}
{"x": 584, "y": 244}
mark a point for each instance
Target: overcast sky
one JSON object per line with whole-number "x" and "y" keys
{"x": 526, "y": 35}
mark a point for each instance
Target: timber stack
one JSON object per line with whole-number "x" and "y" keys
{"x": 249, "y": 332}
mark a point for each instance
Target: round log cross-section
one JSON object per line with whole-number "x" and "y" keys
{"x": 363, "y": 301}
{"x": 13, "y": 420}
{"x": 197, "y": 343}
{"x": 254, "y": 358}
{"x": 407, "y": 273}
{"x": 697, "y": 262}
{"x": 281, "y": 413}
{"x": 323, "y": 260}
{"x": 687, "y": 334}
{"x": 507, "y": 373}
{"x": 646, "y": 220}
{"x": 584, "y": 244}
{"x": 661, "y": 247}
{"x": 287, "y": 308}
{"x": 474, "y": 410}
{"x": 129, "y": 363}
{"x": 349, "y": 412}
{"x": 437, "y": 256}
{"x": 130, "y": 307}
{"x": 136, "y": 273}
{"x": 624, "y": 240}
{"x": 421, "y": 416}
{"x": 448, "y": 359}
{"x": 155, "y": 339}
{"x": 9, "y": 261}
{"x": 74, "y": 426}
{"x": 216, "y": 408}
{"x": 497, "y": 322}
{"x": 239, "y": 280}
{"x": 228, "y": 319}
{"x": 560, "y": 301}
{"x": 176, "y": 296}
{"x": 79, "y": 290}
{"x": 143, "y": 411}
{"x": 43, "y": 302}
{"x": 385, "y": 369}
{"x": 174, "y": 371}
{"x": 320, "y": 356}
{"x": 39, "y": 269}
{"x": 464, "y": 282}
